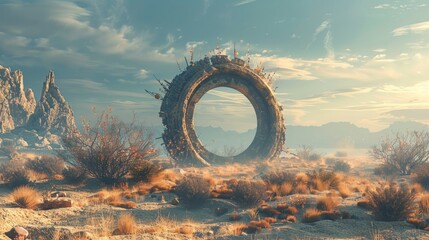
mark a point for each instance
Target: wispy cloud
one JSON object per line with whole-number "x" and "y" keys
{"x": 244, "y": 2}
{"x": 416, "y": 28}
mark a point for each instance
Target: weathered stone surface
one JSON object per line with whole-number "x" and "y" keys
{"x": 17, "y": 233}
{"x": 16, "y": 105}
{"x": 53, "y": 113}
{"x": 186, "y": 89}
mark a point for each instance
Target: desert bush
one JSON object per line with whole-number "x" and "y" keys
{"x": 323, "y": 180}
{"x": 342, "y": 166}
{"x": 331, "y": 161}
{"x": 145, "y": 170}
{"x": 314, "y": 157}
{"x": 26, "y": 197}
{"x": 385, "y": 170}
{"x": 127, "y": 224}
{"x": 193, "y": 191}
{"x": 341, "y": 154}
{"x": 326, "y": 204}
{"x": 406, "y": 152}
{"x": 46, "y": 164}
{"x": 248, "y": 193}
{"x": 304, "y": 152}
{"x": 108, "y": 149}
{"x": 422, "y": 176}
{"x": 311, "y": 215}
{"x": 423, "y": 205}
{"x": 392, "y": 203}
{"x": 14, "y": 175}
{"x": 74, "y": 175}
{"x": 278, "y": 177}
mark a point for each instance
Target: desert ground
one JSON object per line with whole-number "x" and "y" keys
{"x": 157, "y": 218}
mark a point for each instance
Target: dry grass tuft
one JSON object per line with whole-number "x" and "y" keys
{"x": 326, "y": 204}
{"x": 126, "y": 205}
{"x": 311, "y": 215}
{"x": 26, "y": 197}
{"x": 291, "y": 219}
{"x": 344, "y": 190}
{"x": 187, "y": 230}
{"x": 392, "y": 203}
{"x": 301, "y": 188}
{"x": 424, "y": 205}
{"x": 249, "y": 194}
{"x": 127, "y": 224}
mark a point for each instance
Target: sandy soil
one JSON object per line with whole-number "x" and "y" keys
{"x": 99, "y": 219}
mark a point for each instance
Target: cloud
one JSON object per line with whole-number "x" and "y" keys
{"x": 142, "y": 74}
{"x": 411, "y": 114}
{"x": 244, "y": 2}
{"x": 416, "y": 28}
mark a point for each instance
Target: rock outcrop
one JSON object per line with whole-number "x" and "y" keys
{"x": 53, "y": 113}
{"x": 16, "y": 105}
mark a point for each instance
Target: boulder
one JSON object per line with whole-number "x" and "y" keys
{"x": 17, "y": 233}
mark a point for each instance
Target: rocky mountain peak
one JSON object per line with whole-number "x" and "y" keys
{"x": 16, "y": 105}
{"x": 53, "y": 113}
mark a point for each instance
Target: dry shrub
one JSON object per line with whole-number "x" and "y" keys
{"x": 323, "y": 180}
{"x": 301, "y": 188}
{"x": 342, "y": 166}
{"x": 422, "y": 176}
{"x": 46, "y": 164}
{"x": 344, "y": 190}
{"x": 126, "y": 205}
{"x": 234, "y": 229}
{"x": 26, "y": 197}
{"x": 291, "y": 219}
{"x": 249, "y": 194}
{"x": 278, "y": 177}
{"x": 417, "y": 188}
{"x": 326, "y": 204}
{"x": 392, "y": 203}
{"x": 145, "y": 171}
{"x": 417, "y": 223}
{"x": 298, "y": 201}
{"x": 424, "y": 205}
{"x": 311, "y": 215}
{"x": 127, "y": 224}
{"x": 270, "y": 220}
{"x": 14, "y": 174}
{"x": 74, "y": 175}
{"x": 187, "y": 230}
{"x": 269, "y": 211}
{"x": 260, "y": 224}
{"x": 108, "y": 149}
{"x": 301, "y": 177}
{"x": 193, "y": 191}
{"x": 406, "y": 152}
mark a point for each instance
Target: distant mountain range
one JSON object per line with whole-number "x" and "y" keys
{"x": 330, "y": 135}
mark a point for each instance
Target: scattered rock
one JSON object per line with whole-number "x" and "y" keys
{"x": 58, "y": 194}
{"x": 56, "y": 203}
{"x": 175, "y": 201}
{"x": 17, "y": 233}
{"x": 49, "y": 233}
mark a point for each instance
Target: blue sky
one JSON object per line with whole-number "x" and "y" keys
{"x": 364, "y": 62}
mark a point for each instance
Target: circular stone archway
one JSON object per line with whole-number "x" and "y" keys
{"x": 187, "y": 88}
